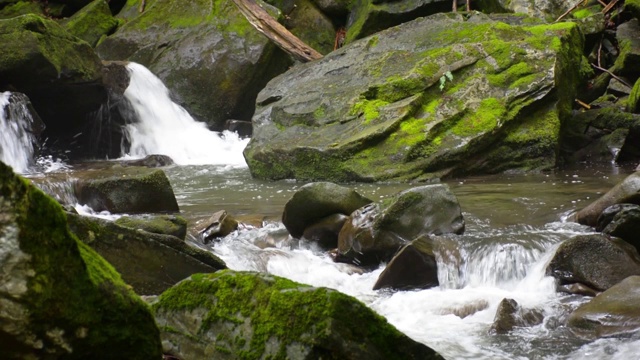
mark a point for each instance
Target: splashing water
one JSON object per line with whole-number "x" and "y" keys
{"x": 166, "y": 128}
{"x": 16, "y": 140}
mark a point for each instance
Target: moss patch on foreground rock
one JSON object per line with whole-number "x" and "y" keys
{"x": 244, "y": 315}
{"x": 69, "y": 302}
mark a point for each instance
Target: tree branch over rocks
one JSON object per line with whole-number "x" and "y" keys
{"x": 278, "y": 34}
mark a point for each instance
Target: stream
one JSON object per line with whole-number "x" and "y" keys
{"x": 514, "y": 223}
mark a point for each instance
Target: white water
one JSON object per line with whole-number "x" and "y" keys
{"x": 16, "y": 139}
{"x": 166, "y": 128}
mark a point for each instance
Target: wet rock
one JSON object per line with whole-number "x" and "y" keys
{"x": 132, "y": 190}
{"x": 633, "y": 103}
{"x": 613, "y": 313}
{"x": 510, "y": 315}
{"x": 398, "y": 122}
{"x": 219, "y": 225}
{"x": 228, "y": 313}
{"x": 92, "y": 22}
{"x": 242, "y": 128}
{"x": 413, "y": 267}
{"x": 173, "y": 225}
{"x": 149, "y": 262}
{"x": 598, "y": 261}
{"x": 315, "y": 201}
{"x": 544, "y": 9}
{"x": 325, "y": 232}
{"x": 618, "y": 88}
{"x": 610, "y": 212}
{"x": 26, "y": 127}
{"x": 374, "y": 233}
{"x": 626, "y": 226}
{"x": 311, "y": 25}
{"x": 59, "y": 299}
{"x": 198, "y": 50}
{"x": 628, "y": 36}
{"x": 627, "y": 191}
{"x": 150, "y": 161}
{"x": 578, "y": 289}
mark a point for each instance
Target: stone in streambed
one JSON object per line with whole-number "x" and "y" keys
{"x": 510, "y": 315}
{"x": 325, "y": 232}
{"x": 627, "y": 191}
{"x": 413, "y": 267}
{"x": 219, "y": 225}
{"x": 173, "y": 225}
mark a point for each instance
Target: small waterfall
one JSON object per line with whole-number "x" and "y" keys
{"x": 17, "y": 141}
{"x": 166, "y": 128}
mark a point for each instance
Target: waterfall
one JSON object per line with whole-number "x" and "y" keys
{"x": 164, "y": 127}
{"x": 17, "y": 141}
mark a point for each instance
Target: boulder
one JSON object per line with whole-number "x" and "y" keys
{"x": 59, "y": 73}
{"x": 210, "y": 57}
{"x": 374, "y": 233}
{"x": 173, "y": 225}
{"x": 150, "y": 263}
{"x": 510, "y": 315}
{"x": 20, "y": 129}
{"x": 58, "y": 298}
{"x": 217, "y": 226}
{"x": 615, "y": 312}
{"x": 92, "y": 22}
{"x": 628, "y": 36}
{"x": 626, "y": 226}
{"x": 132, "y": 190}
{"x": 598, "y": 261}
{"x": 232, "y": 315}
{"x": 627, "y": 191}
{"x": 306, "y": 21}
{"x": 634, "y": 7}
{"x": 544, "y": 9}
{"x": 633, "y": 103}
{"x": 325, "y": 232}
{"x": 19, "y": 8}
{"x": 413, "y": 267}
{"x": 315, "y": 201}
{"x": 444, "y": 95}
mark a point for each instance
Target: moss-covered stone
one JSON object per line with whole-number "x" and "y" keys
{"x": 173, "y": 225}
{"x": 629, "y": 44}
{"x": 633, "y": 103}
{"x": 20, "y": 8}
{"x": 92, "y": 22}
{"x": 312, "y": 26}
{"x": 65, "y": 300}
{"x": 634, "y": 7}
{"x": 243, "y": 315}
{"x": 439, "y": 96}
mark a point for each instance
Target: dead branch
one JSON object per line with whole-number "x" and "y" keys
{"x": 278, "y": 34}
{"x": 570, "y": 10}
{"x": 609, "y": 6}
{"x": 612, "y": 75}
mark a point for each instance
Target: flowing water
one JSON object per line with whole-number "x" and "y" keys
{"x": 16, "y": 139}
{"x": 514, "y": 223}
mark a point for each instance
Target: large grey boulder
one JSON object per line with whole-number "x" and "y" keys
{"x": 210, "y": 57}
{"x": 374, "y": 233}
{"x": 597, "y": 261}
{"x": 439, "y": 96}
{"x": 59, "y": 298}
{"x": 244, "y": 315}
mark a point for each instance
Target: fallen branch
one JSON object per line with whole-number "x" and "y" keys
{"x": 268, "y": 26}
{"x": 142, "y": 5}
{"x": 609, "y": 6}
{"x": 570, "y": 10}
{"x": 612, "y": 75}
{"x": 583, "y": 104}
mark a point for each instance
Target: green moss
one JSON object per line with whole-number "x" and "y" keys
{"x": 512, "y": 76}
{"x": 488, "y": 115}
{"x": 633, "y": 103}
{"x": 92, "y": 22}
{"x": 368, "y": 108}
{"x": 21, "y": 8}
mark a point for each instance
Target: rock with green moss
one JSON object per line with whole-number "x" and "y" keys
{"x": 150, "y": 263}
{"x": 633, "y": 103}
{"x": 374, "y": 233}
{"x": 132, "y": 190}
{"x": 548, "y": 10}
{"x": 311, "y": 25}
{"x": 59, "y": 299}
{"x": 615, "y": 312}
{"x": 444, "y": 95}
{"x": 628, "y": 36}
{"x": 213, "y": 60}
{"x": 315, "y": 201}
{"x": 92, "y": 22}
{"x": 60, "y": 73}
{"x": 20, "y": 8}
{"x": 173, "y": 225}
{"x": 243, "y": 315}
{"x": 634, "y": 7}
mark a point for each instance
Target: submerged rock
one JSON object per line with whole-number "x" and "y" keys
{"x": 510, "y": 315}
{"x": 413, "y": 267}
{"x": 443, "y": 95}
{"x": 131, "y": 190}
{"x": 597, "y": 261}
{"x": 150, "y": 263}
{"x": 374, "y": 233}
{"x": 615, "y": 312}
{"x": 58, "y": 297}
{"x": 315, "y": 201}
{"x": 232, "y": 315}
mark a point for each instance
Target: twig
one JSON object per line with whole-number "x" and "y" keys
{"x": 600, "y": 51}
{"x": 583, "y": 104}
{"x": 612, "y": 75}
{"x": 570, "y": 10}
{"x": 142, "y": 5}
{"x": 602, "y": 3}
{"x": 609, "y": 6}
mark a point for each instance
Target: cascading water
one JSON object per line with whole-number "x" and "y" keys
{"x": 163, "y": 127}
{"x": 16, "y": 137}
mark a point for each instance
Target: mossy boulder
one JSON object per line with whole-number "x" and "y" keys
{"x": 444, "y": 95}
{"x": 150, "y": 263}
{"x": 92, "y": 22}
{"x": 634, "y": 7}
{"x": 628, "y": 36}
{"x": 309, "y": 23}
{"x": 243, "y": 315}
{"x": 60, "y": 73}
{"x": 597, "y": 261}
{"x": 325, "y": 231}
{"x": 18, "y": 8}
{"x": 173, "y": 225}
{"x": 59, "y": 298}
{"x": 315, "y": 201}
{"x": 633, "y": 103}
{"x": 615, "y": 312}
{"x": 206, "y": 52}
{"x": 374, "y": 233}
{"x": 627, "y": 191}
{"x": 131, "y": 190}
